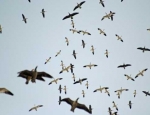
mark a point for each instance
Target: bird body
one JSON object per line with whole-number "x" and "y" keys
{"x": 84, "y": 32}
{"x": 102, "y": 31}
{"x": 83, "y": 44}
{"x": 90, "y": 65}
{"x": 65, "y": 69}
{"x": 6, "y": 91}
{"x": 80, "y": 81}
{"x": 74, "y": 30}
{"x": 130, "y": 104}
{"x": 83, "y": 93}
{"x": 106, "y": 53}
{"x": 92, "y": 49}
{"x": 47, "y": 60}
{"x": 129, "y": 77}
{"x": 143, "y": 49}
{"x": 141, "y": 72}
{"x": 72, "y": 23}
{"x": 134, "y": 93}
{"x": 119, "y": 38}
{"x": 58, "y": 53}
{"x": 78, "y": 5}
{"x": 121, "y": 90}
{"x": 35, "y": 107}
{"x": 87, "y": 85}
{"x": 67, "y": 41}
{"x": 55, "y": 80}
{"x": 70, "y": 15}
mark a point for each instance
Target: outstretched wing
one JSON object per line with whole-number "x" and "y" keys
{"x": 82, "y": 106}
{"x": 67, "y": 100}
{"x": 44, "y": 74}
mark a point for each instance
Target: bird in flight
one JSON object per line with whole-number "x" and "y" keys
{"x": 74, "y": 54}
{"x": 24, "y": 18}
{"x": 55, "y": 80}
{"x": 83, "y": 93}
{"x": 100, "y": 89}
{"x": 47, "y": 60}
{"x": 43, "y": 13}
{"x": 114, "y": 105}
{"x": 83, "y": 44}
{"x": 84, "y": 32}
{"x": 146, "y": 92}
{"x": 78, "y": 5}
{"x": 141, "y": 72}
{"x": 124, "y": 66}
{"x": 35, "y": 107}
{"x": 72, "y": 23}
{"x": 130, "y": 104}
{"x": 70, "y": 15}
{"x": 67, "y": 41}
{"x": 74, "y": 104}
{"x": 143, "y": 49}
{"x": 80, "y": 81}
{"x": 87, "y": 84}
{"x": 102, "y": 2}
{"x": 65, "y": 69}
{"x": 106, "y": 91}
{"x": 129, "y": 77}
{"x": 92, "y": 49}
{"x": 102, "y": 31}
{"x": 134, "y": 93}
{"x": 106, "y": 53}
{"x": 74, "y": 30}
{"x": 58, "y": 53}
{"x": 119, "y": 38}
{"x": 0, "y": 29}
{"x": 121, "y": 90}
{"x": 6, "y": 91}
{"x": 90, "y": 65}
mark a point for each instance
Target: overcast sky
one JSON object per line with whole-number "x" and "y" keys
{"x": 24, "y": 46}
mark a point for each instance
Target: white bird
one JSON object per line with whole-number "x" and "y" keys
{"x": 106, "y": 53}
{"x": 106, "y": 91}
{"x": 47, "y": 60}
{"x": 92, "y": 49}
{"x": 84, "y": 32}
{"x": 134, "y": 93}
{"x": 62, "y": 64}
{"x": 130, "y": 104}
{"x": 119, "y": 38}
{"x": 121, "y": 90}
{"x": 141, "y": 73}
{"x": 55, "y": 80}
{"x": 83, "y": 93}
{"x": 65, "y": 69}
{"x": 83, "y": 44}
{"x": 65, "y": 89}
{"x": 102, "y": 2}
{"x": 58, "y": 53}
{"x": 100, "y": 89}
{"x": 90, "y": 65}
{"x": 67, "y": 41}
{"x": 114, "y": 105}
{"x": 74, "y": 30}
{"x": 35, "y": 107}
{"x": 72, "y": 23}
{"x": 102, "y": 31}
{"x": 87, "y": 84}
{"x": 80, "y": 81}
{"x": 106, "y": 16}
{"x": 6, "y": 91}
{"x": 129, "y": 77}
{"x": 118, "y": 93}
{"x": 73, "y": 77}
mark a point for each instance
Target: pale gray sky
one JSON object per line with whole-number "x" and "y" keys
{"x": 24, "y": 46}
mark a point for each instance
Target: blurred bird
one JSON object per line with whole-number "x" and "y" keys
{"x": 141, "y": 72}
{"x": 100, "y": 89}
{"x": 106, "y": 16}
{"x": 65, "y": 69}
{"x": 43, "y": 13}
{"x": 60, "y": 89}
{"x": 29, "y": 0}
{"x": 106, "y": 91}
{"x": 6, "y": 91}
{"x": 130, "y": 104}
{"x": 35, "y": 107}
{"x": 71, "y": 67}
{"x": 73, "y": 77}
{"x": 102, "y": 2}
{"x": 92, "y": 49}
{"x": 114, "y": 105}
{"x": 106, "y": 53}
{"x": 55, "y": 80}
{"x": 110, "y": 111}
{"x": 70, "y": 15}
{"x": 119, "y": 38}
{"x": 121, "y": 90}
{"x": 47, "y": 60}
{"x": 24, "y": 18}
{"x": 134, "y": 93}
{"x": 58, "y": 53}
{"x": 67, "y": 41}
{"x": 102, "y": 31}
{"x": 72, "y": 23}
{"x": 124, "y": 65}
{"x": 143, "y": 49}
{"x": 146, "y": 92}
{"x": 83, "y": 93}
{"x": 129, "y": 77}
{"x": 65, "y": 89}
{"x": 90, "y": 65}
{"x": 80, "y": 81}
{"x": 74, "y": 54}
{"x": 78, "y": 5}
{"x": 74, "y": 30}
{"x": 84, "y": 32}
{"x": 118, "y": 93}
{"x": 87, "y": 85}
{"x": 0, "y": 29}
{"x": 74, "y": 104}
{"x": 83, "y": 44}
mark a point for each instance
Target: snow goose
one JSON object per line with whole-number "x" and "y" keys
{"x": 35, "y": 107}
{"x": 74, "y": 54}
{"x": 58, "y": 53}
{"x": 83, "y": 93}
{"x": 102, "y": 31}
{"x": 74, "y": 104}
{"x": 141, "y": 72}
{"x": 73, "y": 77}
{"x": 114, "y": 105}
{"x": 74, "y": 30}
{"x": 107, "y": 91}
{"x": 119, "y": 37}
{"x": 6, "y": 91}
{"x": 121, "y": 90}
{"x": 124, "y": 65}
{"x": 43, "y": 13}
{"x": 143, "y": 49}
{"x": 60, "y": 88}
{"x": 65, "y": 69}
{"x": 102, "y": 2}
{"x": 87, "y": 84}
{"x": 111, "y": 14}
{"x": 24, "y": 18}
{"x": 134, "y": 93}
{"x": 80, "y": 81}
{"x": 65, "y": 89}
{"x": 83, "y": 44}
{"x": 106, "y": 53}
{"x": 90, "y": 65}
{"x": 118, "y": 93}
{"x": 47, "y": 60}
{"x": 67, "y": 41}
{"x": 78, "y": 5}
{"x": 106, "y": 16}
{"x": 84, "y": 32}
{"x": 129, "y": 77}
{"x": 92, "y": 49}
{"x": 110, "y": 111}
{"x": 72, "y": 23}
{"x": 70, "y": 15}
{"x": 71, "y": 67}
{"x": 130, "y": 104}
{"x": 55, "y": 80}
{"x": 100, "y": 89}
{"x": 62, "y": 64}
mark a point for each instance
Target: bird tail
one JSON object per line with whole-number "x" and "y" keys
{"x": 59, "y": 100}
{"x": 72, "y": 109}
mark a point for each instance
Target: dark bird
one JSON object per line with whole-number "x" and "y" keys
{"x": 141, "y": 72}
{"x": 43, "y": 13}
{"x": 124, "y": 65}
{"x": 102, "y": 2}
{"x": 35, "y": 107}
{"x": 71, "y": 67}
{"x": 121, "y": 0}
{"x": 67, "y": 41}
{"x": 146, "y": 92}
{"x": 78, "y": 5}
{"x": 110, "y": 111}
{"x": 24, "y": 18}
{"x": 119, "y": 38}
{"x": 134, "y": 93}
{"x": 74, "y": 104}
{"x": 111, "y": 15}
{"x": 130, "y": 104}
{"x": 80, "y": 81}
{"x": 74, "y": 54}
{"x": 129, "y": 77}
{"x": 34, "y": 74}
{"x": 143, "y": 49}
{"x": 60, "y": 88}
{"x": 83, "y": 44}
{"x": 0, "y": 29}
{"x": 6, "y": 91}
{"x": 70, "y": 15}
{"x": 29, "y": 0}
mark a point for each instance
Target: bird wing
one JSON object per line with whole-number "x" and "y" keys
{"x": 82, "y": 106}
{"x": 147, "y": 49}
{"x": 76, "y": 82}
{"x": 31, "y": 109}
{"x": 25, "y": 72}
{"x": 60, "y": 88}
{"x": 75, "y": 13}
{"x": 44, "y": 74}
{"x": 103, "y": 4}
{"x": 23, "y": 16}
{"x": 140, "y": 48}
{"x": 8, "y": 92}
{"x": 75, "y": 8}
{"x": 43, "y": 15}
{"x": 66, "y": 17}
{"x": 67, "y": 100}
{"x": 40, "y": 78}
{"x": 82, "y": 2}
{"x": 40, "y": 106}
{"x": 120, "y": 66}
{"x": 84, "y": 79}
{"x": 128, "y": 65}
